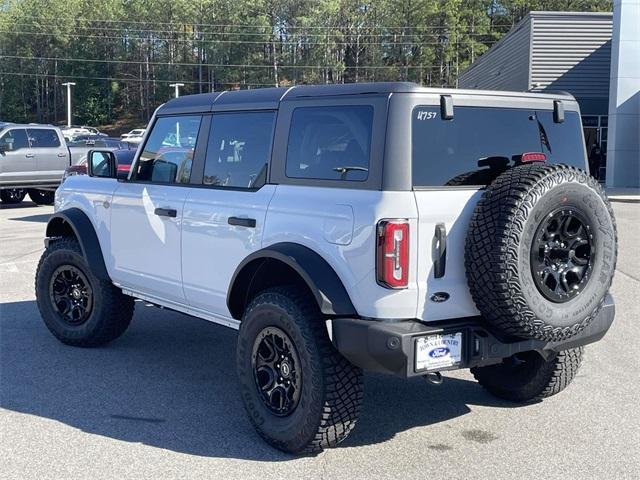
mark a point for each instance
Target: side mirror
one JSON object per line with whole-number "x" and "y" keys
{"x": 101, "y": 163}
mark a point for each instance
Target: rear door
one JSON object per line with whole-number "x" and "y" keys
{"x": 147, "y": 212}
{"x": 52, "y": 155}
{"x": 17, "y": 161}
{"x": 224, "y": 218}
{"x": 452, "y": 161}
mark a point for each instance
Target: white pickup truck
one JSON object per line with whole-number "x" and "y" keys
{"x": 32, "y": 160}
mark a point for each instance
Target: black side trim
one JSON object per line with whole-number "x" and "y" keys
{"x": 322, "y": 280}
{"x": 83, "y": 230}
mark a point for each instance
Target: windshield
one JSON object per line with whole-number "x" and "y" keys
{"x": 481, "y": 142}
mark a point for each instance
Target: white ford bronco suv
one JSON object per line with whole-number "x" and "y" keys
{"x": 385, "y": 227}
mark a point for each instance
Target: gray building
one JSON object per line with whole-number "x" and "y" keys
{"x": 572, "y": 51}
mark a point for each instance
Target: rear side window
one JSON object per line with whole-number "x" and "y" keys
{"x": 330, "y": 143}
{"x": 238, "y": 149}
{"x": 43, "y": 138}
{"x": 167, "y": 156}
{"x": 481, "y": 142}
{"x": 14, "y": 140}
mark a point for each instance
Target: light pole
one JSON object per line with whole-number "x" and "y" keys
{"x": 68, "y": 85}
{"x": 177, "y": 87}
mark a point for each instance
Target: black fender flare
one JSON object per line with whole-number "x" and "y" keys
{"x": 77, "y": 221}
{"x": 323, "y": 282}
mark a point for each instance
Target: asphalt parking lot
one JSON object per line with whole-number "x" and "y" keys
{"x": 162, "y": 401}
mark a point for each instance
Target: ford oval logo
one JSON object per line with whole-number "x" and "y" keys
{"x": 440, "y": 297}
{"x": 439, "y": 352}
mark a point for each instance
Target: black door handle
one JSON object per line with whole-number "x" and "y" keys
{"x": 166, "y": 212}
{"x": 242, "y": 222}
{"x": 439, "y": 247}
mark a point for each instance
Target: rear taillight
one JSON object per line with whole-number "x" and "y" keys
{"x": 392, "y": 253}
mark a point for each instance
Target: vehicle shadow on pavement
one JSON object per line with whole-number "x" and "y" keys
{"x": 15, "y": 206}
{"x": 169, "y": 382}
{"x": 42, "y": 218}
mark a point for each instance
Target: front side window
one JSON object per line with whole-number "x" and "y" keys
{"x": 330, "y": 143}
{"x": 43, "y": 138}
{"x": 167, "y": 156}
{"x": 14, "y": 140}
{"x": 238, "y": 149}
{"x": 479, "y": 143}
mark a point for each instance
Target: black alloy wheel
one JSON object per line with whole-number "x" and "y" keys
{"x": 71, "y": 295}
{"x": 561, "y": 255}
{"x": 276, "y": 370}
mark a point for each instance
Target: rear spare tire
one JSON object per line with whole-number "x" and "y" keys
{"x": 541, "y": 251}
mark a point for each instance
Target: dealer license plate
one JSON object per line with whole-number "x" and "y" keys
{"x": 438, "y": 351}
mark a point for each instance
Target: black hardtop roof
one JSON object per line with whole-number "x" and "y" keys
{"x": 270, "y": 98}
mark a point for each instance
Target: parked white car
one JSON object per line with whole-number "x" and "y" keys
{"x": 70, "y": 133}
{"x": 134, "y": 136}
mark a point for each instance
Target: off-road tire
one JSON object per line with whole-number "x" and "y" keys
{"x": 499, "y": 247}
{"x": 111, "y": 312}
{"x": 534, "y": 379}
{"x": 12, "y": 196}
{"x": 42, "y": 197}
{"x": 331, "y": 393}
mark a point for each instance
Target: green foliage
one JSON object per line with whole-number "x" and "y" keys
{"x": 123, "y": 54}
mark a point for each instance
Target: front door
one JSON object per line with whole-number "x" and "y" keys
{"x": 147, "y": 212}
{"x": 223, "y": 221}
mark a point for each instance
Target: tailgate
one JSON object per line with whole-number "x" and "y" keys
{"x": 443, "y": 294}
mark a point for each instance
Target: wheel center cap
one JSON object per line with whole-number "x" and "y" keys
{"x": 76, "y": 293}
{"x": 285, "y": 369}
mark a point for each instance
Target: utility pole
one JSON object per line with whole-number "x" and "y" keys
{"x": 68, "y": 85}
{"x": 177, "y": 87}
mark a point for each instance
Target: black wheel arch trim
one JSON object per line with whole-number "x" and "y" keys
{"x": 321, "y": 279}
{"x": 84, "y": 231}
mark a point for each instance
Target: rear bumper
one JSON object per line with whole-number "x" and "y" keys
{"x": 389, "y": 346}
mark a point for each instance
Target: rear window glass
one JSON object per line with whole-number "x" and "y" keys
{"x": 330, "y": 143}
{"x": 480, "y": 142}
{"x": 43, "y": 138}
{"x": 238, "y": 149}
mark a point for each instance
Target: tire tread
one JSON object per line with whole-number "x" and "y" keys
{"x": 340, "y": 381}
{"x": 491, "y": 249}
{"x": 115, "y": 311}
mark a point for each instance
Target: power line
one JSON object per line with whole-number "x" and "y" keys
{"x": 262, "y": 34}
{"x": 290, "y": 27}
{"x": 115, "y": 79}
{"x": 279, "y": 42}
{"x": 219, "y": 65}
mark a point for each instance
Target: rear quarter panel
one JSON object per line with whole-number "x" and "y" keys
{"x": 340, "y": 225}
